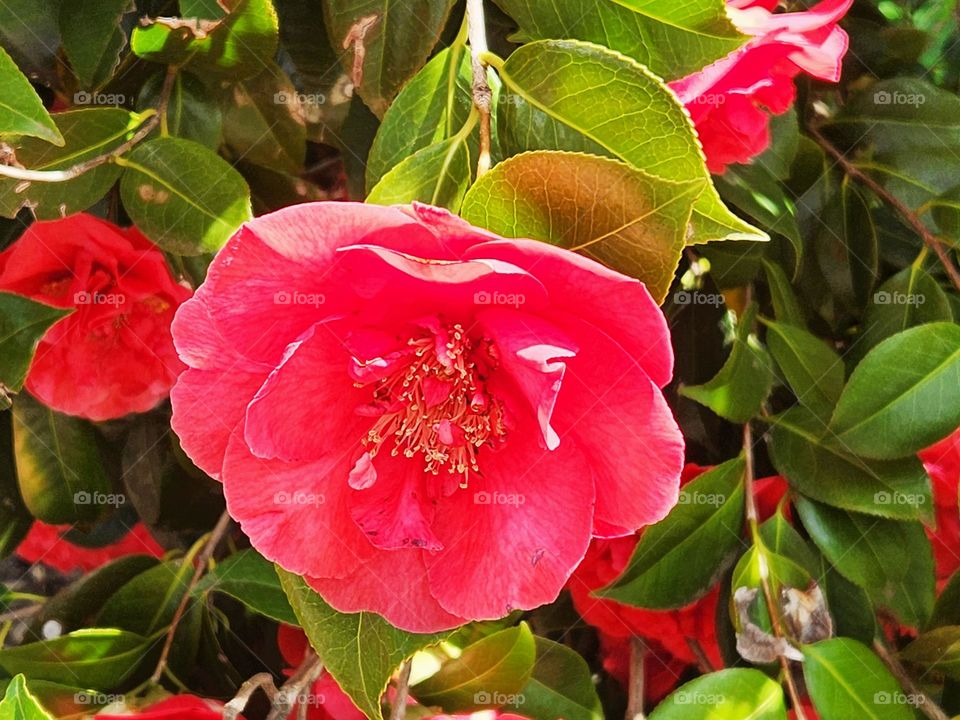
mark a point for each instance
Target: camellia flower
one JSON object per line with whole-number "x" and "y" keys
{"x": 942, "y": 462}
{"x": 50, "y": 545}
{"x": 671, "y": 631}
{"x": 178, "y": 707}
{"x": 113, "y": 355}
{"x": 425, "y": 420}
{"x": 729, "y": 101}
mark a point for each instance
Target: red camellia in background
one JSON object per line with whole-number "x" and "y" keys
{"x": 942, "y": 462}
{"x": 113, "y": 355}
{"x": 50, "y": 545}
{"x": 390, "y": 392}
{"x": 178, "y": 707}
{"x": 729, "y": 101}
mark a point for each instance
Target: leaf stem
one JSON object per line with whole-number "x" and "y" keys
{"x": 399, "y": 710}
{"x": 926, "y": 705}
{"x": 482, "y": 95}
{"x": 152, "y": 119}
{"x": 638, "y": 658}
{"x": 213, "y": 539}
{"x": 908, "y": 215}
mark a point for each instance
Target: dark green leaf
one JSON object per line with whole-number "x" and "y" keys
{"x": 87, "y": 133}
{"x": 813, "y": 370}
{"x": 192, "y": 114}
{"x": 185, "y": 198}
{"x": 910, "y": 298}
{"x": 360, "y": 650}
{"x": 846, "y": 680}
{"x": 21, "y": 110}
{"x": 560, "y": 686}
{"x": 489, "y": 673}
{"x": 386, "y": 42}
{"x": 251, "y": 579}
{"x": 891, "y": 560}
{"x": 619, "y": 108}
{"x": 937, "y": 650}
{"x": 733, "y": 694}
{"x": 903, "y": 396}
{"x": 60, "y": 472}
{"x": 785, "y": 303}
{"x": 678, "y": 559}
{"x": 93, "y": 37}
{"x": 147, "y": 602}
{"x": 22, "y": 323}
{"x": 638, "y": 225}
{"x": 888, "y": 488}
{"x": 672, "y": 39}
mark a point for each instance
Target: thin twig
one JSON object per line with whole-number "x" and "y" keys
{"x": 911, "y": 218}
{"x": 774, "y": 611}
{"x": 399, "y": 710}
{"x": 292, "y": 691}
{"x": 925, "y": 704}
{"x": 703, "y": 662}
{"x": 208, "y": 549}
{"x": 23, "y": 613}
{"x": 260, "y": 681}
{"x": 638, "y": 658}
{"x": 58, "y": 176}
{"x": 482, "y": 95}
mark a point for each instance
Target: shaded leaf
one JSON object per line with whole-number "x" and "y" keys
{"x": 251, "y": 579}
{"x": 813, "y": 370}
{"x": 23, "y": 322}
{"x": 560, "y": 686}
{"x": 21, "y": 110}
{"x": 93, "y": 38}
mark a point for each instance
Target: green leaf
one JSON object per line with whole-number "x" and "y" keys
{"x": 184, "y": 197}
{"x": 945, "y": 209}
{"x": 937, "y": 650}
{"x": 360, "y": 650}
{"x": 23, "y": 323}
{"x": 911, "y": 297}
{"x": 19, "y": 704}
{"x": 87, "y": 134}
{"x": 903, "y": 396}
{"x": 637, "y": 225}
{"x": 784, "y": 299}
{"x": 946, "y": 611}
{"x": 672, "y": 39}
{"x": 889, "y": 559}
{"x": 850, "y": 606}
{"x": 99, "y": 658}
{"x": 733, "y": 694}
{"x": 432, "y": 107}
{"x": 678, "y": 559}
{"x": 30, "y": 32}
{"x": 438, "y": 175}
{"x": 21, "y": 110}
{"x": 146, "y": 603}
{"x": 59, "y": 468}
{"x": 93, "y": 37}
{"x": 15, "y": 520}
{"x": 813, "y": 370}
{"x": 889, "y": 488}
{"x": 251, "y": 579}
{"x": 386, "y": 42}
{"x": 263, "y": 121}
{"x": 487, "y": 673}
{"x": 739, "y": 389}
{"x": 612, "y": 105}
{"x": 236, "y": 45}
{"x": 845, "y": 680}
{"x": 561, "y": 686}
{"x": 192, "y": 113}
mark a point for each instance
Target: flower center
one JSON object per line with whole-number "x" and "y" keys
{"x": 435, "y": 403}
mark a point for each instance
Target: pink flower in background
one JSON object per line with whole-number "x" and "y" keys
{"x": 113, "y": 355}
{"x": 391, "y": 393}
{"x": 730, "y": 100}
{"x": 178, "y": 707}
{"x": 48, "y": 544}
{"x": 942, "y": 462}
